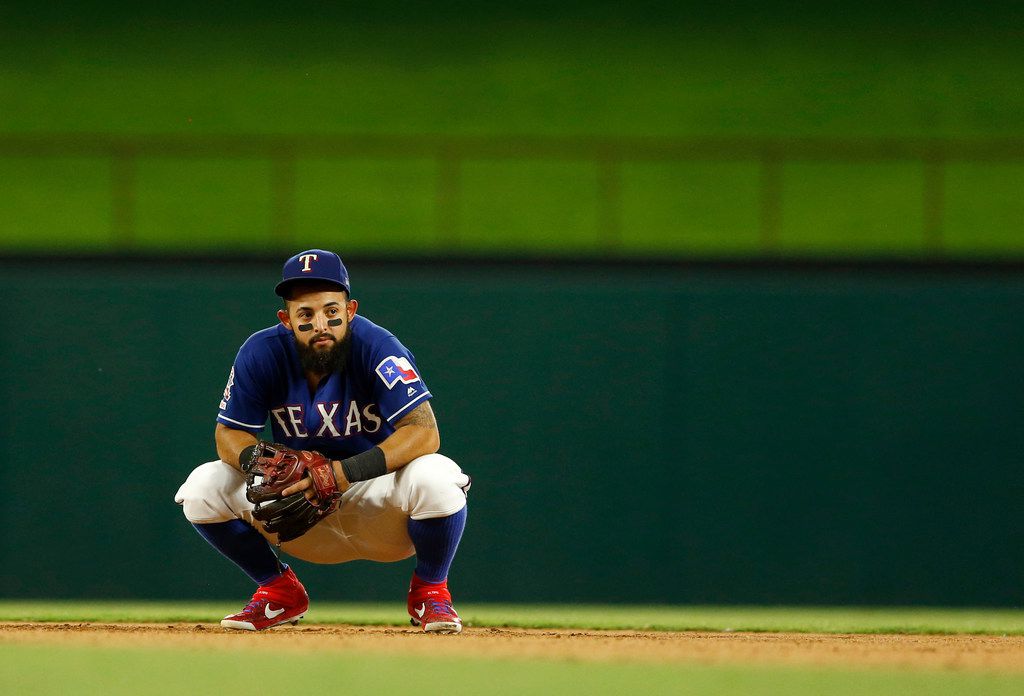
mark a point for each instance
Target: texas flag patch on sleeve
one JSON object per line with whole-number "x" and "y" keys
{"x": 394, "y": 369}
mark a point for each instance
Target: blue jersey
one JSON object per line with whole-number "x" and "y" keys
{"x": 348, "y": 413}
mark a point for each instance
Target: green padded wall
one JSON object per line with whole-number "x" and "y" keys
{"x": 635, "y": 434}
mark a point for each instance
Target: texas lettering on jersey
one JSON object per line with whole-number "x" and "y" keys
{"x": 348, "y": 412}
{"x": 292, "y": 421}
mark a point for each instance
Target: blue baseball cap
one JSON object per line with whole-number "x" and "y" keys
{"x": 313, "y": 264}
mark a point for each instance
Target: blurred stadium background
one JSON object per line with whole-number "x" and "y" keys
{"x": 719, "y": 305}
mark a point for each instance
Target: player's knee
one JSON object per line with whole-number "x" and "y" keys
{"x": 433, "y": 486}
{"x": 207, "y": 493}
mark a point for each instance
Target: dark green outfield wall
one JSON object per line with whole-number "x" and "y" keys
{"x": 635, "y": 434}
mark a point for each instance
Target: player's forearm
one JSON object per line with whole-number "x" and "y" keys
{"x": 415, "y": 435}
{"x": 400, "y": 448}
{"x": 231, "y": 442}
{"x": 408, "y": 443}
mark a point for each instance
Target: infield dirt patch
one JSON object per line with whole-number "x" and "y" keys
{"x": 956, "y": 652}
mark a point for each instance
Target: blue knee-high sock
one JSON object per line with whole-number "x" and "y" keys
{"x": 245, "y": 547}
{"x": 436, "y": 541}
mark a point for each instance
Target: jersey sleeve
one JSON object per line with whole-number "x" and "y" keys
{"x": 244, "y": 405}
{"x": 397, "y": 384}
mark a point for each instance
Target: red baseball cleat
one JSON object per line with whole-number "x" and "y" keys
{"x": 430, "y": 606}
{"x": 281, "y": 601}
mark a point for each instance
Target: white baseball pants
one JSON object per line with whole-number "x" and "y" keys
{"x": 369, "y": 525}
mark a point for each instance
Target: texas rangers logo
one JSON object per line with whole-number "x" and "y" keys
{"x": 394, "y": 369}
{"x": 307, "y": 259}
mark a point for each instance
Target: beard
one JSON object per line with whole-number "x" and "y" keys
{"x": 325, "y": 361}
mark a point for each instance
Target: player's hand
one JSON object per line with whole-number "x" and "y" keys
{"x": 304, "y": 485}
{"x": 296, "y": 489}
{"x": 280, "y": 469}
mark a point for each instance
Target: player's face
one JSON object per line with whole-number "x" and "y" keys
{"x": 319, "y": 318}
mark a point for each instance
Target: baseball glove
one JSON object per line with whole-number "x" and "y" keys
{"x": 276, "y": 467}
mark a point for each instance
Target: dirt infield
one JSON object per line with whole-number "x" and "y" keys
{"x": 958, "y": 652}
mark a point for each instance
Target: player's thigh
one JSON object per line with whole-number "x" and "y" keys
{"x": 373, "y": 520}
{"x": 375, "y": 514}
{"x": 367, "y": 526}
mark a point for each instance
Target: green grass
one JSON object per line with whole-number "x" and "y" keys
{"x": 87, "y": 670}
{"x": 662, "y": 618}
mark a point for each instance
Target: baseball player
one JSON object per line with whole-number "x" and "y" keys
{"x": 354, "y": 470}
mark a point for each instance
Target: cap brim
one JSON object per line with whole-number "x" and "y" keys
{"x": 282, "y": 288}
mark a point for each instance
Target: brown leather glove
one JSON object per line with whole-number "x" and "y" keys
{"x": 278, "y": 467}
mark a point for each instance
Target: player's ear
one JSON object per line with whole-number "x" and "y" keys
{"x": 352, "y": 306}
{"x": 285, "y": 319}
